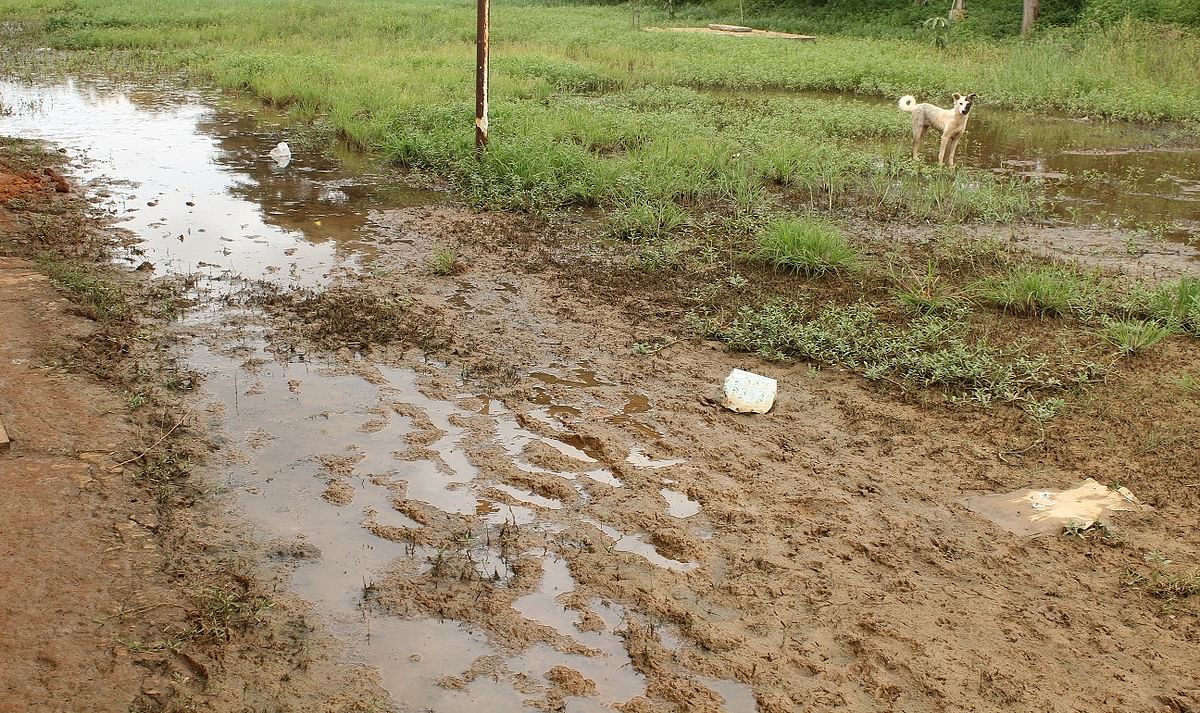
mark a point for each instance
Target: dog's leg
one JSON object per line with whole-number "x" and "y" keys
{"x": 950, "y": 152}
{"x": 919, "y": 129}
{"x": 942, "y": 149}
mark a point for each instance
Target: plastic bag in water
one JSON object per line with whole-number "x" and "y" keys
{"x": 282, "y": 154}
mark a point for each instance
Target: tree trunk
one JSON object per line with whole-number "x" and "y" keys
{"x": 1030, "y": 15}
{"x": 957, "y": 11}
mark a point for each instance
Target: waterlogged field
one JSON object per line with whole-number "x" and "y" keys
{"x": 588, "y": 109}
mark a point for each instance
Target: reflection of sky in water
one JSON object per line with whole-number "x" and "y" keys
{"x": 157, "y": 155}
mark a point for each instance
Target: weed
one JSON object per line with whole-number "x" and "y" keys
{"x": 444, "y": 262}
{"x": 809, "y": 245}
{"x": 647, "y": 348}
{"x": 223, "y": 610}
{"x": 100, "y": 297}
{"x": 939, "y": 31}
{"x": 1036, "y": 290}
{"x": 652, "y": 219}
{"x": 926, "y": 292}
{"x": 1043, "y": 410}
{"x": 1177, "y": 305}
{"x": 1132, "y": 336}
{"x": 656, "y": 255}
{"x": 1163, "y": 584}
{"x": 1108, "y": 535}
{"x": 931, "y": 350}
{"x": 1189, "y": 383}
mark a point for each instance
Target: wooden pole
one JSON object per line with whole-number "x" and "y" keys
{"x": 1029, "y": 15}
{"x": 481, "y": 77}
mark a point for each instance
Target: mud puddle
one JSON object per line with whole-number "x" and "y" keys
{"x": 359, "y": 483}
{"x": 189, "y": 175}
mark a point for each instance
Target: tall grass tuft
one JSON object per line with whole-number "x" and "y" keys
{"x": 1132, "y": 336}
{"x": 1042, "y": 290}
{"x": 809, "y": 245}
{"x": 1177, "y": 305}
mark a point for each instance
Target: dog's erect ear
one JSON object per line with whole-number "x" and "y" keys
{"x": 957, "y": 96}
{"x": 971, "y": 96}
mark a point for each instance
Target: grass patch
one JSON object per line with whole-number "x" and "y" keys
{"x": 587, "y": 110}
{"x": 444, "y": 262}
{"x": 1042, "y": 290}
{"x": 930, "y": 350}
{"x": 1177, "y": 305}
{"x": 807, "y": 245}
{"x": 651, "y": 219}
{"x": 1132, "y": 336}
{"x": 926, "y": 292}
{"x": 1163, "y": 584}
{"x": 96, "y": 293}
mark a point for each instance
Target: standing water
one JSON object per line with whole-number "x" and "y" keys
{"x": 315, "y": 458}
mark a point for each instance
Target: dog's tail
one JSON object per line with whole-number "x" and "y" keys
{"x": 907, "y": 102}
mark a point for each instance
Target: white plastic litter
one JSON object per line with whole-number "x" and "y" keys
{"x": 747, "y": 392}
{"x": 1034, "y": 511}
{"x": 282, "y": 154}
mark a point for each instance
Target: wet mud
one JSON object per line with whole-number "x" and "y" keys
{"x": 534, "y": 518}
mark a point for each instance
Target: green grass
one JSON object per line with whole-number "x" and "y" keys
{"x": 1042, "y": 290}
{"x": 1177, "y": 305}
{"x": 927, "y": 351}
{"x": 926, "y": 292}
{"x": 1132, "y": 336}
{"x": 587, "y": 110}
{"x": 807, "y": 245}
{"x": 444, "y": 261}
{"x": 648, "y": 219}
{"x": 97, "y": 294}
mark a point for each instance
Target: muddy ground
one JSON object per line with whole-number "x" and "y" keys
{"x": 475, "y": 485}
{"x": 123, "y": 589}
{"x": 830, "y": 563}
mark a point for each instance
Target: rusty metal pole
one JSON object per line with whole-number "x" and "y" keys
{"x": 481, "y": 77}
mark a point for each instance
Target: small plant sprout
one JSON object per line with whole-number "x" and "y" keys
{"x": 444, "y": 262}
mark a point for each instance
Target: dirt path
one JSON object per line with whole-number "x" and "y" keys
{"x": 79, "y": 545}
{"x": 120, "y": 593}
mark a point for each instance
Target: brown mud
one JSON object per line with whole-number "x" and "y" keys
{"x": 832, "y": 562}
{"x": 480, "y": 488}
{"x": 124, "y": 590}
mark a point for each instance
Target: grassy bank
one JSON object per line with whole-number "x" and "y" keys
{"x": 589, "y": 110}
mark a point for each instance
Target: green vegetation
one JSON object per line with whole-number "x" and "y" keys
{"x": 809, "y": 245}
{"x": 1043, "y": 290}
{"x": 1177, "y": 305}
{"x": 97, "y": 294}
{"x": 926, "y": 292}
{"x": 444, "y": 261}
{"x": 929, "y": 350}
{"x": 697, "y": 149}
{"x": 1136, "y": 335}
{"x": 660, "y": 127}
{"x": 888, "y": 18}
